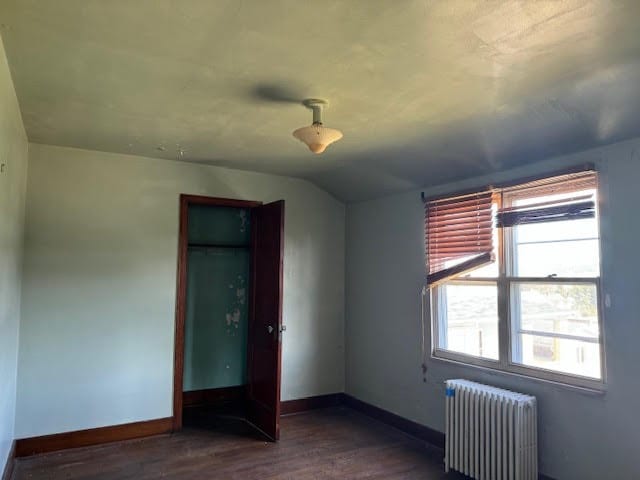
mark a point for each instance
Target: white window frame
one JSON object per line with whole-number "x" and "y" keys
{"x": 506, "y": 329}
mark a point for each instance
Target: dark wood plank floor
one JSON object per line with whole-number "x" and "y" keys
{"x": 335, "y": 443}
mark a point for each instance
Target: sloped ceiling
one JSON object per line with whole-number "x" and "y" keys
{"x": 424, "y": 91}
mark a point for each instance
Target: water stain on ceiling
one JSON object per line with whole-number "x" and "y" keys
{"x": 424, "y": 91}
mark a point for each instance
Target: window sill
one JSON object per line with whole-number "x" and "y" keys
{"x": 597, "y": 389}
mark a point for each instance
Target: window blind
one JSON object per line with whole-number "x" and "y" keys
{"x": 560, "y": 204}
{"x": 459, "y": 235}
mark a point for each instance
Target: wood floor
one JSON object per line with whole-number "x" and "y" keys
{"x": 335, "y": 443}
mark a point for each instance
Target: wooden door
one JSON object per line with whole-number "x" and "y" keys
{"x": 265, "y": 322}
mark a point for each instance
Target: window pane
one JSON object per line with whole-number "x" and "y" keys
{"x": 563, "y": 259}
{"x": 569, "y": 309}
{"x": 566, "y": 230}
{"x": 468, "y": 319}
{"x": 563, "y": 355}
{"x": 564, "y": 309}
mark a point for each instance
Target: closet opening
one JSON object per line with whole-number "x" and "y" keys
{"x": 229, "y": 316}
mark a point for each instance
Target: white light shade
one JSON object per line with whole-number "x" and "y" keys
{"x": 317, "y": 137}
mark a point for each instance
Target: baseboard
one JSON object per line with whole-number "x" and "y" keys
{"x": 83, "y": 438}
{"x": 408, "y": 426}
{"x": 335, "y": 399}
{"x": 311, "y": 403}
{"x": 213, "y": 396}
{"x": 11, "y": 460}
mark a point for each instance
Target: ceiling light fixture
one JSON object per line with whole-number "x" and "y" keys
{"x": 317, "y": 136}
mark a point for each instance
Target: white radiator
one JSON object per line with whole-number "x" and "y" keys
{"x": 491, "y": 434}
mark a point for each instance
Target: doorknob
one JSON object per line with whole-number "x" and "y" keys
{"x": 269, "y": 329}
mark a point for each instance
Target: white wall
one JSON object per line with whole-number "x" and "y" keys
{"x": 13, "y": 154}
{"x": 581, "y": 436}
{"x": 96, "y": 343}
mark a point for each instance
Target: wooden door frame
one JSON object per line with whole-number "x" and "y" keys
{"x": 181, "y": 288}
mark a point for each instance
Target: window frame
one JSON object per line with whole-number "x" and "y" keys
{"x": 506, "y": 328}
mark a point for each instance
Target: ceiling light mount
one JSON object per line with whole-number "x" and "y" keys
{"x": 316, "y": 105}
{"x": 317, "y": 136}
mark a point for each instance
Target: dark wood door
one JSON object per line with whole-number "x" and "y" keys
{"x": 265, "y": 335}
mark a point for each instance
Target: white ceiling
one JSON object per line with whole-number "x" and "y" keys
{"x": 424, "y": 91}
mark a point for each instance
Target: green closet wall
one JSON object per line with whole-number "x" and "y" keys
{"x": 217, "y": 298}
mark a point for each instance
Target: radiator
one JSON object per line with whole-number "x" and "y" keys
{"x": 491, "y": 434}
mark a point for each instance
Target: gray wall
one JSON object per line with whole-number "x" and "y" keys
{"x": 13, "y": 154}
{"x": 96, "y": 342}
{"x": 581, "y": 435}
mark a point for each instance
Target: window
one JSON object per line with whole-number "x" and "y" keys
{"x": 514, "y": 276}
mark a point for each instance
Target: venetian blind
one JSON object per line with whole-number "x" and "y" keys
{"x": 459, "y": 235}
{"x": 564, "y": 197}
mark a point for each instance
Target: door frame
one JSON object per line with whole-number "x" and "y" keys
{"x": 181, "y": 288}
